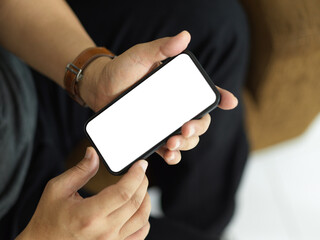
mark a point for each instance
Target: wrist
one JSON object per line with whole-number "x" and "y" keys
{"x": 89, "y": 85}
{"x": 75, "y": 70}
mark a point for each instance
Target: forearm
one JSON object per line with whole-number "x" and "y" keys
{"x": 45, "y": 34}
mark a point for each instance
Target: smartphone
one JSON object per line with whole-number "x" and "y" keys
{"x": 139, "y": 121}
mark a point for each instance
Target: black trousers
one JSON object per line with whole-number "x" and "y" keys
{"x": 197, "y": 194}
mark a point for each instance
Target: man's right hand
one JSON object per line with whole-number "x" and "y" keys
{"x": 120, "y": 211}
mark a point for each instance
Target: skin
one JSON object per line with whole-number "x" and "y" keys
{"x": 116, "y": 75}
{"x": 120, "y": 211}
{"x": 52, "y": 37}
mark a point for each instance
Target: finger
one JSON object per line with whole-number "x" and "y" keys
{"x": 181, "y": 143}
{"x": 115, "y": 196}
{"x": 189, "y": 135}
{"x": 141, "y": 233}
{"x": 158, "y": 50}
{"x": 173, "y": 46}
{"x": 136, "y": 62}
{"x": 171, "y": 157}
{"x": 162, "y": 150}
{"x": 139, "y": 219}
{"x": 76, "y": 177}
{"x": 228, "y": 100}
{"x": 121, "y": 215}
{"x": 196, "y": 127}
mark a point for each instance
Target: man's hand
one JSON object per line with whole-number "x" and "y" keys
{"x": 120, "y": 211}
{"x": 191, "y": 131}
{"x": 104, "y": 79}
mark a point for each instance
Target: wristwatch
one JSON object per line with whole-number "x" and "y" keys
{"x": 74, "y": 70}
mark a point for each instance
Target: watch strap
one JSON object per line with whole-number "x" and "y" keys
{"x": 74, "y": 70}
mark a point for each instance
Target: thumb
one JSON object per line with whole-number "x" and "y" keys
{"x": 76, "y": 177}
{"x": 160, "y": 49}
{"x": 171, "y": 46}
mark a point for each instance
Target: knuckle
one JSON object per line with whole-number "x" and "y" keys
{"x": 52, "y": 185}
{"x": 124, "y": 194}
{"x": 145, "y": 215}
{"x": 87, "y": 222}
{"x": 145, "y": 231}
{"x": 135, "y": 203}
{"x": 145, "y": 212}
{"x": 142, "y": 233}
{"x": 144, "y": 219}
{"x": 80, "y": 167}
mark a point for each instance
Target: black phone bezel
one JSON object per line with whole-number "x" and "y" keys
{"x": 158, "y": 145}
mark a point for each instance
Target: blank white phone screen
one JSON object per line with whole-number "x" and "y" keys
{"x": 149, "y": 113}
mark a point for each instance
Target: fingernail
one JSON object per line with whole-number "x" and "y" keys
{"x": 143, "y": 164}
{"x": 171, "y": 157}
{"x": 191, "y": 132}
{"x": 176, "y": 146}
{"x": 88, "y": 153}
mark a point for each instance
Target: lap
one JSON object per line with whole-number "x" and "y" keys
{"x": 199, "y": 192}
